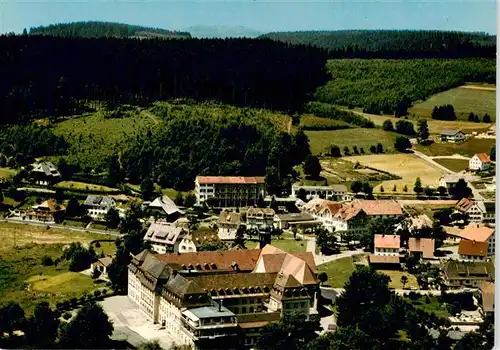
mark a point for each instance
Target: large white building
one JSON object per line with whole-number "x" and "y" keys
{"x": 261, "y": 219}
{"x": 480, "y": 162}
{"x": 230, "y": 191}
{"x": 221, "y": 300}
{"x": 478, "y": 211}
{"x": 333, "y": 192}
{"x": 165, "y": 237}
{"x": 98, "y": 206}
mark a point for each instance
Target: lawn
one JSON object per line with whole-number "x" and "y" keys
{"x": 171, "y": 193}
{"x": 339, "y": 170}
{"x": 108, "y": 248}
{"x": 290, "y": 245}
{"x": 467, "y": 148}
{"x": 320, "y": 141}
{"x": 5, "y": 173}
{"x": 434, "y": 306}
{"x": 338, "y": 271}
{"x": 82, "y": 186}
{"x": 464, "y": 99}
{"x": 93, "y": 138}
{"x": 455, "y": 165}
{"x": 396, "y": 279}
{"x": 407, "y": 166}
{"x": 66, "y": 283}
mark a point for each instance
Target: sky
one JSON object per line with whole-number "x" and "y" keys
{"x": 263, "y": 16}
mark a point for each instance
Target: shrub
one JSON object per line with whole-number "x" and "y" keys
{"x": 427, "y": 300}
{"x": 47, "y": 261}
{"x": 97, "y": 244}
{"x": 73, "y": 301}
{"x": 97, "y": 293}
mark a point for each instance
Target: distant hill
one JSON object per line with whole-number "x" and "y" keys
{"x": 222, "y": 32}
{"x": 105, "y": 29}
{"x": 385, "y": 40}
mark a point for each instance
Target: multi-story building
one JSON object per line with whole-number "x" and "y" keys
{"x": 475, "y": 233}
{"x": 230, "y": 191}
{"x": 98, "y": 206}
{"x": 228, "y": 224}
{"x": 480, "y": 162}
{"x": 44, "y": 212}
{"x": 485, "y": 298}
{"x": 387, "y": 245}
{"x": 467, "y": 274}
{"x": 452, "y": 136}
{"x": 164, "y": 237}
{"x": 422, "y": 247}
{"x": 333, "y": 192}
{"x": 45, "y": 173}
{"x": 192, "y": 241}
{"x": 261, "y": 219}
{"x": 165, "y": 207}
{"x": 221, "y": 300}
{"x": 449, "y": 181}
{"x": 477, "y": 211}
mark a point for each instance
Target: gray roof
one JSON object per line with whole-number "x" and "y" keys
{"x": 210, "y": 311}
{"x": 450, "y": 132}
{"x": 47, "y": 168}
{"x": 335, "y": 188}
{"x": 163, "y": 232}
{"x": 295, "y": 217}
{"x": 166, "y": 204}
{"x": 98, "y": 201}
{"x": 156, "y": 268}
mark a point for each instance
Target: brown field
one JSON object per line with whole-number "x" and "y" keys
{"x": 408, "y": 166}
{"x": 467, "y": 148}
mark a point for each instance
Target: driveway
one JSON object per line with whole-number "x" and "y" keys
{"x": 131, "y": 325}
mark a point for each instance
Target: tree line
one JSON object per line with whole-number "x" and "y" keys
{"x": 394, "y": 43}
{"x": 67, "y": 71}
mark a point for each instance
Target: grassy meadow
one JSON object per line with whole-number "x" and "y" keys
{"x": 455, "y": 165}
{"x": 467, "y": 148}
{"x": 338, "y": 271}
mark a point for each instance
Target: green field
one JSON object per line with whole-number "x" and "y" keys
{"x": 82, "y": 186}
{"x": 440, "y": 309}
{"x": 338, "y": 271}
{"x": 467, "y": 148}
{"x": 93, "y": 138}
{"x": 396, "y": 279}
{"x": 5, "y": 173}
{"x": 360, "y": 137}
{"x": 471, "y": 98}
{"x": 312, "y": 122}
{"x": 290, "y": 245}
{"x": 455, "y": 165}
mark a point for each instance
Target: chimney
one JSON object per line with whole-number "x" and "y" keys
{"x": 220, "y": 305}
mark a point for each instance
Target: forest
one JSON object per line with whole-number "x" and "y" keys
{"x": 95, "y": 29}
{"x": 394, "y": 43}
{"x": 242, "y": 72}
{"x": 380, "y": 86}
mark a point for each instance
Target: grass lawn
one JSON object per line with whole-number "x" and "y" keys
{"x": 407, "y": 166}
{"x": 464, "y": 99}
{"x": 74, "y": 223}
{"x": 290, "y": 245}
{"x": 360, "y": 137}
{"x": 66, "y": 282}
{"x": 5, "y": 173}
{"x": 82, "y": 186}
{"x": 455, "y": 165}
{"x": 338, "y": 271}
{"x": 467, "y": 148}
{"x": 396, "y": 279}
{"x": 171, "y": 193}
{"x": 434, "y": 306}
{"x": 108, "y": 248}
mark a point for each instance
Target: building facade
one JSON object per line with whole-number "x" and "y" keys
{"x": 261, "y": 219}
{"x": 228, "y": 224}
{"x": 165, "y": 237}
{"x": 480, "y": 162}
{"x": 334, "y": 192}
{"x": 387, "y": 245}
{"x": 479, "y": 212}
{"x": 45, "y": 173}
{"x": 452, "y": 136}
{"x": 229, "y": 191}
{"x": 466, "y": 274}
{"x": 98, "y": 206}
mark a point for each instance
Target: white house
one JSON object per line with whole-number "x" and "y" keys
{"x": 478, "y": 211}
{"x": 193, "y": 240}
{"x": 228, "y": 224}
{"x": 261, "y": 219}
{"x": 480, "y": 162}
{"x": 387, "y": 245}
{"x": 45, "y": 173}
{"x": 452, "y": 136}
{"x": 450, "y": 180}
{"x": 333, "y": 192}
{"x": 164, "y": 237}
{"x": 98, "y": 206}
{"x": 165, "y": 207}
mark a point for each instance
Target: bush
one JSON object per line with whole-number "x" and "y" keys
{"x": 427, "y": 300}
{"x": 47, "y": 261}
{"x": 97, "y": 293}
{"x": 73, "y": 301}
{"x": 328, "y": 111}
{"x": 97, "y": 244}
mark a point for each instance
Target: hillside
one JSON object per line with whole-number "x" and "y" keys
{"x": 222, "y": 32}
{"x": 356, "y": 42}
{"x": 93, "y": 29}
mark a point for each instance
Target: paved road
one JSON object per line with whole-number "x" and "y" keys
{"x": 69, "y": 228}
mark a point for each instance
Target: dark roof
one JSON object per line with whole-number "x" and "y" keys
{"x": 456, "y": 269}
{"x": 234, "y": 280}
{"x": 98, "y": 201}
{"x": 295, "y": 217}
{"x": 450, "y": 132}
{"x": 259, "y": 319}
{"x": 155, "y": 267}
{"x": 182, "y": 286}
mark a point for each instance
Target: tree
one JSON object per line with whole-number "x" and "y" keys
{"x": 239, "y": 239}
{"x": 470, "y": 117}
{"x": 312, "y": 166}
{"x": 292, "y": 332}
{"x": 112, "y": 218}
{"x": 211, "y": 245}
{"x": 355, "y": 149}
{"x": 323, "y": 277}
{"x": 41, "y": 330}
{"x": 417, "y": 188}
{"x": 274, "y": 204}
{"x": 346, "y": 151}
{"x": 190, "y": 200}
{"x": 428, "y": 191}
{"x": 179, "y": 199}
{"x": 362, "y": 150}
{"x": 118, "y": 269}
{"x": 11, "y": 318}
{"x": 356, "y": 186}
{"x": 382, "y": 189}
{"x": 302, "y": 194}
{"x": 461, "y": 190}
{"x": 90, "y": 329}
{"x": 373, "y": 149}
{"x": 402, "y": 144}
{"x": 326, "y": 241}
{"x": 114, "y": 169}
{"x": 395, "y": 188}
{"x": 423, "y": 129}
{"x": 493, "y": 155}
{"x": 405, "y": 127}
{"x": 442, "y": 191}
{"x": 380, "y": 148}
{"x": 147, "y": 188}
{"x": 387, "y": 125}
{"x": 260, "y": 202}
{"x": 404, "y": 280}
{"x": 131, "y": 222}
{"x": 73, "y": 208}
{"x": 486, "y": 118}
{"x": 335, "y": 151}
{"x": 150, "y": 345}
{"x": 405, "y": 188}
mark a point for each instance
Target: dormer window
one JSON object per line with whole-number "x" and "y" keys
{"x": 206, "y": 266}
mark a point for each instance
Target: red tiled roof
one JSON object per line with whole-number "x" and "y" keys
{"x": 387, "y": 241}
{"x": 475, "y": 232}
{"x": 483, "y": 157}
{"x": 230, "y": 179}
{"x": 464, "y": 204}
{"x": 424, "y": 245}
{"x": 467, "y": 247}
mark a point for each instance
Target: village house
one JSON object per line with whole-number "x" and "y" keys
{"x": 480, "y": 162}
{"x": 333, "y": 192}
{"x": 485, "y": 298}
{"x": 467, "y": 274}
{"x": 475, "y": 233}
{"x": 449, "y": 181}
{"x": 289, "y": 221}
{"x": 221, "y": 299}
{"x": 98, "y": 206}
{"x": 387, "y": 245}
{"x": 477, "y": 211}
{"x": 166, "y": 208}
{"x": 452, "y": 136}
{"x": 193, "y": 240}
{"x": 228, "y": 224}
{"x": 102, "y": 265}
{"x": 261, "y": 219}
{"x": 164, "y": 236}
{"x": 421, "y": 247}
{"x": 414, "y": 223}
{"x": 230, "y": 191}
{"x": 44, "y": 212}
{"x": 45, "y": 173}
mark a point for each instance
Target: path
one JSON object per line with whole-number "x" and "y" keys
{"x": 69, "y": 228}
{"x": 455, "y": 156}
{"x": 476, "y": 87}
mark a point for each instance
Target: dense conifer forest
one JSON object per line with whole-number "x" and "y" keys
{"x": 94, "y": 29}
{"x": 394, "y": 43}
{"x": 47, "y": 76}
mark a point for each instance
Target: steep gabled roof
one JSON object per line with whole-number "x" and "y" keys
{"x": 483, "y": 157}
{"x": 165, "y": 203}
{"x": 387, "y": 241}
{"x": 466, "y": 247}
{"x": 423, "y": 245}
